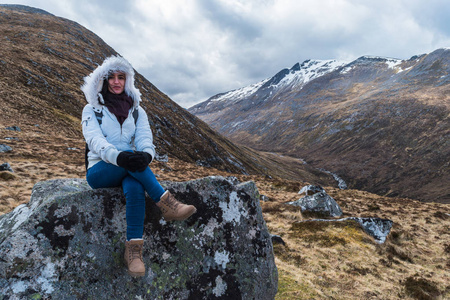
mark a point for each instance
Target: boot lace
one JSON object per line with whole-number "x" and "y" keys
{"x": 172, "y": 202}
{"x": 135, "y": 252}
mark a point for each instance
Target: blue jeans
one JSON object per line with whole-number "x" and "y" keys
{"x": 134, "y": 184}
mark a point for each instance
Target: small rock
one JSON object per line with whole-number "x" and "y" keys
{"x": 264, "y": 198}
{"x": 162, "y": 157}
{"x": 6, "y": 167}
{"x": 377, "y": 228}
{"x": 14, "y": 128}
{"x": 5, "y": 148}
{"x": 276, "y": 239}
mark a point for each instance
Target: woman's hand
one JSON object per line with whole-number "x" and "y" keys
{"x": 145, "y": 160}
{"x": 134, "y": 161}
{"x": 129, "y": 161}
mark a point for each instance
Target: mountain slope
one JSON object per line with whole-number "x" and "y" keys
{"x": 43, "y": 60}
{"x": 382, "y": 124}
{"x": 414, "y": 263}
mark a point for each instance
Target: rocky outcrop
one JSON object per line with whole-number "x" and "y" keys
{"x": 378, "y": 228}
{"x": 317, "y": 201}
{"x": 67, "y": 243}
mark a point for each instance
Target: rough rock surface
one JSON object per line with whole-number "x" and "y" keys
{"x": 376, "y": 227}
{"x": 67, "y": 243}
{"x": 309, "y": 190}
{"x": 320, "y": 203}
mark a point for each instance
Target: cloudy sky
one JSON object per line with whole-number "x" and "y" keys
{"x": 194, "y": 49}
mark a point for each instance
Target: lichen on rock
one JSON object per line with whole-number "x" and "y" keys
{"x": 318, "y": 202}
{"x": 67, "y": 243}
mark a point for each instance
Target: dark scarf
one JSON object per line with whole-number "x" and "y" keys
{"x": 119, "y": 104}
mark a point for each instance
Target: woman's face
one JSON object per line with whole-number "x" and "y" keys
{"x": 116, "y": 82}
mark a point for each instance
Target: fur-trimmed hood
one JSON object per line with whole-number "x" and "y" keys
{"x": 94, "y": 82}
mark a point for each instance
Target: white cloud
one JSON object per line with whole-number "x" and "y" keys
{"x": 193, "y": 49}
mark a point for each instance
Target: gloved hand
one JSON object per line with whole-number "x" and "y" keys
{"x": 130, "y": 161}
{"x": 144, "y": 159}
{"x": 147, "y": 158}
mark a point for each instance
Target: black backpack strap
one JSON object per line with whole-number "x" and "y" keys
{"x": 99, "y": 116}
{"x": 135, "y": 115}
{"x": 86, "y": 151}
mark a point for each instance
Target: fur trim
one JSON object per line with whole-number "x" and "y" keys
{"x": 94, "y": 82}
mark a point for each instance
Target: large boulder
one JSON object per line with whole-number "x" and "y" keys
{"x": 319, "y": 203}
{"x": 67, "y": 243}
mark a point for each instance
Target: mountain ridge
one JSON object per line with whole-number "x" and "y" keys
{"x": 346, "y": 118}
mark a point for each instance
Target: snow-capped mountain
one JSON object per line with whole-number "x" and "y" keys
{"x": 352, "y": 117}
{"x": 293, "y": 78}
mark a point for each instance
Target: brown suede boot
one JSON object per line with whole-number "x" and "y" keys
{"x": 133, "y": 257}
{"x": 172, "y": 209}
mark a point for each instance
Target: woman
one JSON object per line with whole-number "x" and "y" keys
{"x": 119, "y": 149}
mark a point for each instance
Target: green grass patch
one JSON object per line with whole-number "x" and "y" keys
{"x": 289, "y": 288}
{"x": 329, "y": 234}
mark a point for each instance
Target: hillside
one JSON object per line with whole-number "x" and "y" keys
{"x": 43, "y": 60}
{"x": 40, "y": 94}
{"x": 381, "y": 124}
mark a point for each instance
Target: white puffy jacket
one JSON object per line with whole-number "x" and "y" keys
{"x": 107, "y": 140}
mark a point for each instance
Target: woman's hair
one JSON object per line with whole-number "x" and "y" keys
{"x": 112, "y": 72}
{"x": 104, "y": 87}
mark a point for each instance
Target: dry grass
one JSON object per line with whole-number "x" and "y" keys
{"x": 331, "y": 261}
{"x": 338, "y": 261}
{"x": 316, "y": 262}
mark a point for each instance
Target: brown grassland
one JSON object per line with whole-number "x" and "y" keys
{"x": 317, "y": 261}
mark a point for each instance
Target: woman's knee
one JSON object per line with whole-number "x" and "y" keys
{"x": 132, "y": 188}
{"x": 104, "y": 175}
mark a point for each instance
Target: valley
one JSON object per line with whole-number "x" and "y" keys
{"x": 383, "y": 145}
{"x": 381, "y": 124}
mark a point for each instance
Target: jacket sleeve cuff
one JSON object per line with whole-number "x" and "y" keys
{"x": 111, "y": 155}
